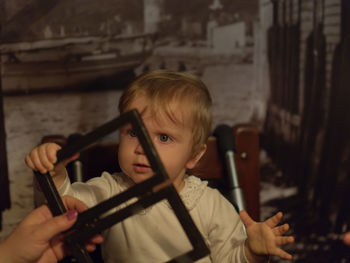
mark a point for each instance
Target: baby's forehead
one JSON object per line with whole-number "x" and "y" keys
{"x": 174, "y": 109}
{"x": 172, "y": 112}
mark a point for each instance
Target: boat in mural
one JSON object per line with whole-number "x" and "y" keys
{"x": 71, "y": 63}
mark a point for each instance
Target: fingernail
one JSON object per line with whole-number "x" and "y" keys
{"x": 72, "y": 214}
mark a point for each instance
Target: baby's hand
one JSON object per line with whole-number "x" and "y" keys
{"x": 43, "y": 157}
{"x": 264, "y": 238}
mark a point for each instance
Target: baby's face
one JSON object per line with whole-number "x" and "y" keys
{"x": 173, "y": 142}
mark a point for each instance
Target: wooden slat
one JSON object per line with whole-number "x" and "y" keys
{"x": 5, "y": 202}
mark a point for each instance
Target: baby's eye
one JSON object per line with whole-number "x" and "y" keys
{"x": 132, "y": 133}
{"x": 164, "y": 138}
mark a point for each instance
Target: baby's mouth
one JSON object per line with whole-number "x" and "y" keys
{"x": 141, "y": 168}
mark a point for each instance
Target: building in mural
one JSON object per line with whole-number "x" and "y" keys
{"x": 152, "y": 15}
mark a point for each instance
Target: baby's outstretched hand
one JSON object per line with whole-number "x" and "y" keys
{"x": 264, "y": 238}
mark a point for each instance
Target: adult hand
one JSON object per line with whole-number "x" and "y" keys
{"x": 347, "y": 238}
{"x": 38, "y": 237}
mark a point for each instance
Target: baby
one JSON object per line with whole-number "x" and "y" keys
{"x": 176, "y": 109}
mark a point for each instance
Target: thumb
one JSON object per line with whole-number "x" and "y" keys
{"x": 70, "y": 159}
{"x": 246, "y": 219}
{"x": 74, "y": 157}
{"x": 56, "y": 225}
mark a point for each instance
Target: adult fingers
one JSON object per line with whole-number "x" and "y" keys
{"x": 347, "y": 239}
{"x": 55, "y": 225}
{"x": 37, "y": 216}
{"x": 61, "y": 250}
{"x": 73, "y": 203}
{"x": 91, "y": 244}
{"x": 97, "y": 239}
{"x": 90, "y": 247}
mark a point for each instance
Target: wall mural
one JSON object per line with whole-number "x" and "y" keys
{"x": 64, "y": 65}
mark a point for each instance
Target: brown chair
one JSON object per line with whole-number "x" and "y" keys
{"x": 211, "y": 167}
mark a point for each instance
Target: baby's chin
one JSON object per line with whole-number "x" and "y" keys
{"x": 139, "y": 178}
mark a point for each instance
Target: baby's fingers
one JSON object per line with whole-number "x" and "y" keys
{"x": 284, "y": 240}
{"x": 51, "y": 151}
{"x": 281, "y": 253}
{"x": 280, "y": 230}
{"x": 44, "y": 157}
{"x": 35, "y": 161}
{"x": 29, "y": 163}
{"x": 274, "y": 220}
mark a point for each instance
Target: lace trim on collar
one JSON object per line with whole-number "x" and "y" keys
{"x": 192, "y": 191}
{"x": 190, "y": 194}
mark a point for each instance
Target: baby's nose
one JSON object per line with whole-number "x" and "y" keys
{"x": 139, "y": 149}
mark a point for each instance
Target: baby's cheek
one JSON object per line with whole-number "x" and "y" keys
{"x": 121, "y": 160}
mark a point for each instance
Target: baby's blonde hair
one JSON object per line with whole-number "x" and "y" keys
{"x": 162, "y": 87}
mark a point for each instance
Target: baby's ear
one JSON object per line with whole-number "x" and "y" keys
{"x": 194, "y": 160}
